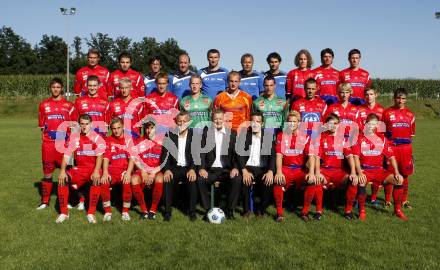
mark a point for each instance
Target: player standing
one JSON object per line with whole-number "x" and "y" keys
{"x": 52, "y": 112}
{"x": 358, "y": 78}
{"x": 179, "y": 82}
{"x": 274, "y": 62}
{"x": 327, "y": 77}
{"x": 296, "y": 78}
{"x": 292, "y": 155}
{"x": 234, "y": 101}
{"x": 125, "y": 71}
{"x": 93, "y": 105}
{"x": 401, "y": 127}
{"x": 214, "y": 77}
{"x": 87, "y": 150}
{"x": 197, "y": 105}
{"x": 251, "y": 81}
{"x": 273, "y": 107}
{"x": 92, "y": 68}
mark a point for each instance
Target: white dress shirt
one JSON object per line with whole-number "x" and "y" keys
{"x": 254, "y": 155}
{"x": 219, "y": 134}
{"x": 181, "y": 160}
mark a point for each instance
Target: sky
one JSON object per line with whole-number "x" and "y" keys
{"x": 398, "y": 39}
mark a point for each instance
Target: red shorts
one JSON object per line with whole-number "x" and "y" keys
{"x": 333, "y": 176}
{"x": 116, "y": 175}
{"x": 294, "y": 176}
{"x": 404, "y": 158}
{"x": 79, "y": 176}
{"x": 376, "y": 175}
{"x": 143, "y": 185}
{"x": 51, "y": 157}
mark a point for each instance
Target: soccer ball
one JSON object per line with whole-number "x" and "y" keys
{"x": 216, "y": 215}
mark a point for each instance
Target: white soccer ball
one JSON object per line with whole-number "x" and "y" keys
{"x": 216, "y": 215}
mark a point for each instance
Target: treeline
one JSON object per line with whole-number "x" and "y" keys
{"x": 17, "y": 56}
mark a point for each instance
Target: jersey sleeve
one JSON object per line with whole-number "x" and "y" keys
{"x": 140, "y": 86}
{"x": 217, "y": 102}
{"x": 77, "y": 84}
{"x": 110, "y": 87}
{"x": 356, "y": 149}
{"x": 108, "y": 151}
{"x": 278, "y": 142}
{"x": 413, "y": 126}
{"x": 41, "y": 116}
{"x": 289, "y": 84}
{"x": 387, "y": 149}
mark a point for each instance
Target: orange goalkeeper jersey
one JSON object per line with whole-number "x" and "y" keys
{"x": 239, "y": 105}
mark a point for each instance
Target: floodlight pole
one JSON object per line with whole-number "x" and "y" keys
{"x": 437, "y": 16}
{"x": 68, "y": 12}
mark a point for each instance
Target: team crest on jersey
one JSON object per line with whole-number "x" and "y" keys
{"x": 113, "y": 149}
{"x": 186, "y": 106}
{"x": 85, "y": 77}
{"x": 302, "y": 108}
{"x": 47, "y": 109}
{"x": 279, "y": 101}
{"x": 392, "y": 117}
{"x": 205, "y": 100}
{"x": 325, "y": 145}
{"x": 117, "y": 108}
{"x": 84, "y": 106}
{"x": 347, "y": 77}
{"x": 364, "y": 144}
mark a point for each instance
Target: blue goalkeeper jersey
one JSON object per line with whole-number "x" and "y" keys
{"x": 252, "y": 84}
{"x": 280, "y": 83}
{"x": 213, "y": 82}
{"x": 179, "y": 84}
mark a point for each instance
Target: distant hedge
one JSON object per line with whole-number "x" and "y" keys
{"x": 37, "y": 85}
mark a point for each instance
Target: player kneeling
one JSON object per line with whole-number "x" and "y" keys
{"x": 147, "y": 162}
{"x": 116, "y": 169}
{"x": 292, "y": 155}
{"x": 87, "y": 154}
{"x": 330, "y": 164}
{"x": 369, "y": 155}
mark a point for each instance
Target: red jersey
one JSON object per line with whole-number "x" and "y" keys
{"x": 149, "y": 152}
{"x": 400, "y": 124}
{"x": 295, "y": 149}
{"x": 311, "y": 110}
{"x": 327, "y": 80}
{"x": 80, "y": 85}
{"x": 137, "y": 81}
{"x": 51, "y": 114}
{"x": 295, "y": 82}
{"x": 160, "y": 107}
{"x": 96, "y": 107}
{"x": 347, "y": 115}
{"x": 130, "y": 110}
{"x": 116, "y": 152}
{"x": 358, "y": 79}
{"x": 365, "y": 110}
{"x": 372, "y": 153}
{"x": 331, "y": 156}
{"x": 86, "y": 149}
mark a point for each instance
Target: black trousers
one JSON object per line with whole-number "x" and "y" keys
{"x": 221, "y": 175}
{"x": 179, "y": 174}
{"x": 261, "y": 192}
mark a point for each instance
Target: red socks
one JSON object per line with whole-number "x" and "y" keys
{"x": 362, "y": 197}
{"x": 350, "y": 196}
{"x": 278, "y": 194}
{"x": 405, "y": 190}
{"x": 63, "y": 199}
{"x": 157, "y": 195}
{"x": 397, "y": 197}
{"x": 95, "y": 191}
{"x": 105, "y": 198}
{"x": 309, "y": 192}
{"x": 319, "y": 194}
{"x": 46, "y": 190}
{"x": 139, "y": 196}
{"x": 374, "y": 190}
{"x": 126, "y": 197}
{"x": 388, "y": 188}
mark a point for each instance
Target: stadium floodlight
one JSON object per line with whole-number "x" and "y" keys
{"x": 437, "y": 15}
{"x": 68, "y": 12}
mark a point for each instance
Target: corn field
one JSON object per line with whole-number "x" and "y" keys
{"x": 37, "y": 85}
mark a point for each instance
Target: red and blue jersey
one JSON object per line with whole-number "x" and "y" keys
{"x": 294, "y": 148}
{"x": 332, "y": 152}
{"x": 327, "y": 81}
{"x": 51, "y": 114}
{"x": 372, "y": 151}
{"x": 80, "y": 85}
{"x": 295, "y": 82}
{"x": 400, "y": 125}
{"x": 117, "y": 152}
{"x": 148, "y": 151}
{"x": 86, "y": 148}
{"x": 136, "y": 79}
{"x": 358, "y": 79}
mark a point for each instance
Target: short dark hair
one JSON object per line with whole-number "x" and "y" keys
{"x": 217, "y": 111}
{"x": 93, "y": 78}
{"x": 246, "y": 55}
{"x": 327, "y": 50}
{"x": 400, "y": 91}
{"x": 353, "y": 51}
{"x": 332, "y": 116}
{"x": 116, "y": 120}
{"x": 184, "y": 54}
{"x": 372, "y": 116}
{"x": 309, "y": 80}
{"x": 258, "y": 113}
{"x": 94, "y": 51}
{"x": 124, "y": 55}
{"x": 234, "y": 73}
{"x": 56, "y": 80}
{"x": 183, "y": 113}
{"x": 269, "y": 77}
{"x": 212, "y": 51}
{"x": 154, "y": 58}
{"x": 273, "y": 55}
{"x": 85, "y": 117}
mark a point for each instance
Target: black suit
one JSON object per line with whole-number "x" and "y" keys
{"x": 228, "y": 162}
{"x": 169, "y": 158}
{"x": 267, "y": 162}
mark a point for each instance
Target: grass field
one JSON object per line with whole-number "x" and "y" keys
{"x": 32, "y": 240}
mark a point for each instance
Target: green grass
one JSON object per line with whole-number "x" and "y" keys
{"x": 30, "y": 239}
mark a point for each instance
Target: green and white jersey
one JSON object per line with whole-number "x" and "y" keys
{"x": 199, "y": 109}
{"x": 274, "y": 110}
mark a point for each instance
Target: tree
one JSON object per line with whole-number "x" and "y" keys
{"x": 52, "y": 51}
{"x": 121, "y": 44}
{"x": 142, "y": 52}
{"x": 105, "y": 45}
{"x": 16, "y": 55}
{"x": 79, "y": 59}
{"x": 169, "y": 53}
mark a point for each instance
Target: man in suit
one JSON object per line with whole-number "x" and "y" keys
{"x": 178, "y": 165}
{"x": 257, "y": 164}
{"x": 218, "y": 162}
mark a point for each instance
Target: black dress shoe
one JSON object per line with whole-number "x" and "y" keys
{"x": 230, "y": 214}
{"x": 167, "y": 217}
{"x": 192, "y": 216}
